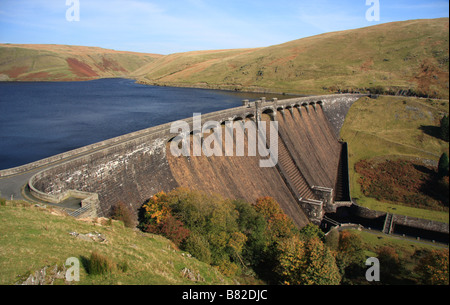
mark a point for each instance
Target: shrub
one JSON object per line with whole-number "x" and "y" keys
{"x": 198, "y": 246}
{"x": 122, "y": 212}
{"x": 174, "y": 230}
{"x": 100, "y": 264}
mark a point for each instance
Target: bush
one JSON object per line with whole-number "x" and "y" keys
{"x": 198, "y": 246}
{"x": 174, "y": 230}
{"x": 122, "y": 212}
{"x": 100, "y": 264}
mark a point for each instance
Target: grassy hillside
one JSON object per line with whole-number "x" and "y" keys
{"x": 32, "y": 238}
{"x": 410, "y": 55}
{"x": 401, "y": 55}
{"x": 64, "y": 63}
{"x": 394, "y": 128}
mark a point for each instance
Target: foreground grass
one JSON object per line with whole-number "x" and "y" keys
{"x": 32, "y": 238}
{"x": 392, "y": 128}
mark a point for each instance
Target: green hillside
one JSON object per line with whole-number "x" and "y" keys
{"x": 34, "y": 237}
{"x": 401, "y": 55}
{"x": 66, "y": 63}
{"x": 409, "y": 56}
{"x": 390, "y": 129}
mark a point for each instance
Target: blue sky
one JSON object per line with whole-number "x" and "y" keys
{"x": 170, "y": 26}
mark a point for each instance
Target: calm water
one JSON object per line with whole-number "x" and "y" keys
{"x": 40, "y": 119}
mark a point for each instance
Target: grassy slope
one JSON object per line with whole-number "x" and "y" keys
{"x": 32, "y": 238}
{"x": 62, "y": 63}
{"x": 392, "y": 128}
{"x": 410, "y": 54}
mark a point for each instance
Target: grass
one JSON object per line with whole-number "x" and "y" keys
{"x": 392, "y": 128}
{"x": 401, "y": 55}
{"x": 411, "y": 54}
{"x": 48, "y": 62}
{"x": 32, "y": 238}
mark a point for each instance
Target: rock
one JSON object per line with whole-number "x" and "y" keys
{"x": 189, "y": 274}
{"x": 95, "y": 236}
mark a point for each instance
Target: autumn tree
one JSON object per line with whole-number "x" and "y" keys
{"x": 153, "y": 212}
{"x": 279, "y": 225}
{"x": 155, "y": 216}
{"x": 434, "y": 268}
{"x": 307, "y": 262}
{"x": 350, "y": 256}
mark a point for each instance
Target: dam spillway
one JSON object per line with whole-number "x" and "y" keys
{"x": 133, "y": 167}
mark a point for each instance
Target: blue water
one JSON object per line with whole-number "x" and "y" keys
{"x": 41, "y": 119}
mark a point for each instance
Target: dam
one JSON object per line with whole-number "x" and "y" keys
{"x": 309, "y": 180}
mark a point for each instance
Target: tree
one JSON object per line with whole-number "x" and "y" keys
{"x": 390, "y": 263}
{"x": 307, "y": 262}
{"x": 311, "y": 230}
{"x": 443, "y": 166}
{"x": 444, "y": 128}
{"x": 279, "y": 225}
{"x": 154, "y": 211}
{"x": 434, "y": 268}
{"x": 350, "y": 253}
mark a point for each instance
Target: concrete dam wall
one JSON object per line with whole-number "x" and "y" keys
{"x": 304, "y": 181}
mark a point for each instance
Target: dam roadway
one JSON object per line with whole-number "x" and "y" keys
{"x": 133, "y": 167}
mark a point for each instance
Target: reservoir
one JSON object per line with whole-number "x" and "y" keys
{"x": 42, "y": 119}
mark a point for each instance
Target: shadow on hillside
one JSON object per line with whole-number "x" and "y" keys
{"x": 433, "y": 131}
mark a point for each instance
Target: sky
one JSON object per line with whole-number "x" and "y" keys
{"x": 172, "y": 26}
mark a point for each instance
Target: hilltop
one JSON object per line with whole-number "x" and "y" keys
{"x": 409, "y": 57}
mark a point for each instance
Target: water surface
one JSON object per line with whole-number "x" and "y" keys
{"x": 42, "y": 119}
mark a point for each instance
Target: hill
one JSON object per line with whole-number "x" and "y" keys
{"x": 34, "y": 237}
{"x": 67, "y": 63}
{"x": 410, "y": 55}
{"x": 397, "y": 136}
